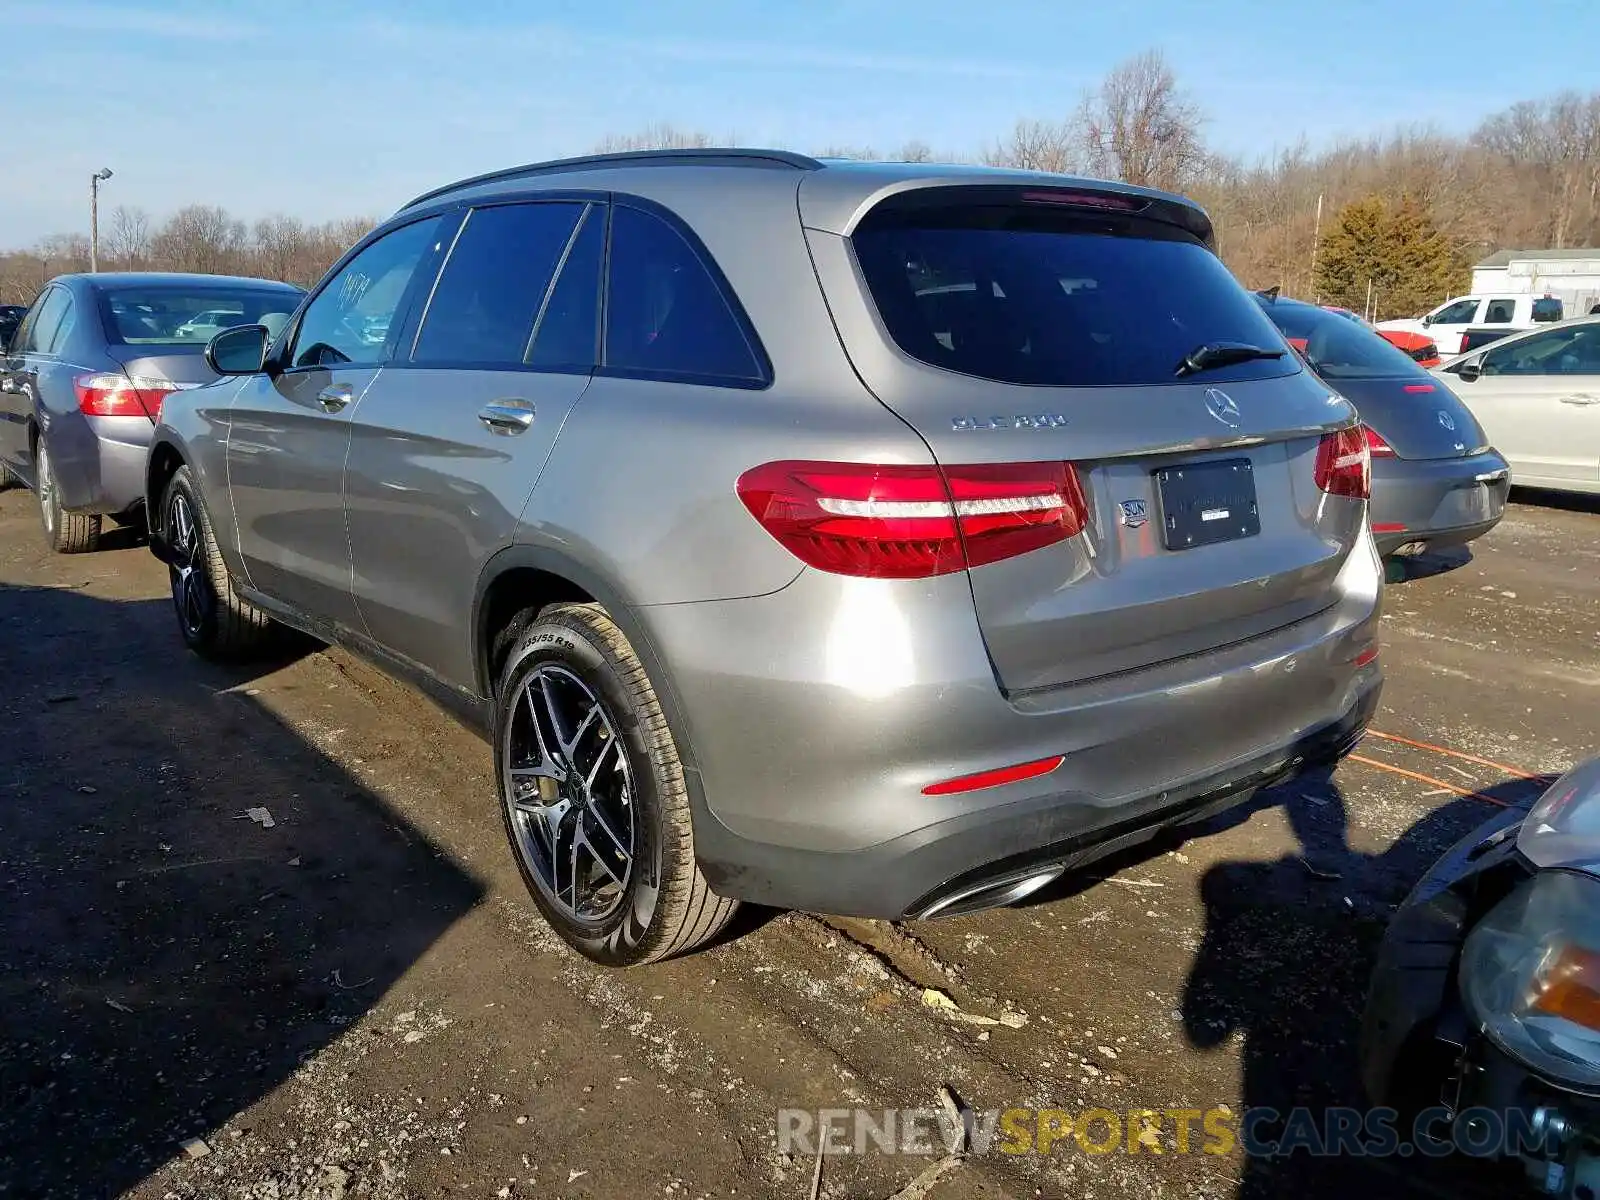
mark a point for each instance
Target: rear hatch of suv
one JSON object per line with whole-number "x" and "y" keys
{"x": 1088, "y": 347}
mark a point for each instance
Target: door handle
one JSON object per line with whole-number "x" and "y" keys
{"x": 507, "y": 417}
{"x": 331, "y": 399}
{"x": 1580, "y": 400}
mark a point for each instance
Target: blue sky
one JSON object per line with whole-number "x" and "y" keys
{"x": 350, "y": 108}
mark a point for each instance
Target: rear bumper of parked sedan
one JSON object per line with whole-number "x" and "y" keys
{"x": 817, "y": 716}
{"x": 99, "y": 461}
{"x": 1437, "y": 503}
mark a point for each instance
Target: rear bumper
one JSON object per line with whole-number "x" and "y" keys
{"x": 811, "y": 719}
{"x": 956, "y": 865}
{"x": 99, "y": 461}
{"x": 1437, "y": 502}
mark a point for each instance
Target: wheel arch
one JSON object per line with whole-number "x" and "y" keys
{"x": 522, "y": 577}
{"x": 163, "y": 462}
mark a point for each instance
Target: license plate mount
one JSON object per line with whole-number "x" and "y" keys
{"x": 1203, "y": 503}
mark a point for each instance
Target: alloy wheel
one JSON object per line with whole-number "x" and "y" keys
{"x": 189, "y": 585}
{"x": 46, "y": 489}
{"x": 570, "y": 792}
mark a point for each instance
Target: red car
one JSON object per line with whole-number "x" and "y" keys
{"x": 1419, "y": 346}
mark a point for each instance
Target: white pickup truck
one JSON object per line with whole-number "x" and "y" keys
{"x": 1450, "y": 320}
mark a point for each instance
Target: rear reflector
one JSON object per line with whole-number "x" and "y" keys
{"x": 1344, "y": 465}
{"x": 1386, "y": 527}
{"x": 989, "y": 779}
{"x": 1369, "y": 655}
{"x": 1376, "y": 446}
{"x": 911, "y": 522}
{"x": 114, "y": 395}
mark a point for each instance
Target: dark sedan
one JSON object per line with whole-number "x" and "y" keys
{"x": 1436, "y": 481}
{"x": 84, "y": 375}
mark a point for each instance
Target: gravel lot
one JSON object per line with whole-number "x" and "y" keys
{"x": 359, "y": 1000}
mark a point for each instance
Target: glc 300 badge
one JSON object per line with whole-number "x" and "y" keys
{"x": 1026, "y": 421}
{"x": 1133, "y": 513}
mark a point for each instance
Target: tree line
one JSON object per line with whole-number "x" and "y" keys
{"x": 1397, "y": 219}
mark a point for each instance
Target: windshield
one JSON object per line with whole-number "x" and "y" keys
{"x": 175, "y": 314}
{"x": 1030, "y": 297}
{"x": 1335, "y": 347}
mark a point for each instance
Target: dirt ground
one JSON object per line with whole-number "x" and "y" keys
{"x": 358, "y": 999}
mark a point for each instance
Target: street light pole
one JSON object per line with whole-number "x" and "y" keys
{"x": 94, "y": 217}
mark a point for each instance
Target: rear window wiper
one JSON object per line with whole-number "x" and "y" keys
{"x": 1210, "y": 355}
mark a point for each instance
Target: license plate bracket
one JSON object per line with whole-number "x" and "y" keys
{"x": 1203, "y": 503}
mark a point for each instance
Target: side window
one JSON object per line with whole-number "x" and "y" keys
{"x": 568, "y": 335}
{"x": 1558, "y": 352}
{"x": 665, "y": 314}
{"x": 69, "y": 318}
{"x": 1500, "y": 312}
{"x": 494, "y": 283}
{"x": 45, "y": 320}
{"x": 1548, "y": 308}
{"x": 351, "y": 320}
{"x": 1459, "y": 313}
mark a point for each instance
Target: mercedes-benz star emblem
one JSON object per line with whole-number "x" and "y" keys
{"x": 1222, "y": 406}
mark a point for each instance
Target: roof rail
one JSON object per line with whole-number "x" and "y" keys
{"x": 709, "y": 156}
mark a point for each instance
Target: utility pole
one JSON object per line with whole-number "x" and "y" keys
{"x": 95, "y": 180}
{"x": 1316, "y": 238}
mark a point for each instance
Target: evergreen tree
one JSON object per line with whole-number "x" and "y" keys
{"x": 1354, "y": 253}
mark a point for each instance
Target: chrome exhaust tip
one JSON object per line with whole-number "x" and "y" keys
{"x": 994, "y": 893}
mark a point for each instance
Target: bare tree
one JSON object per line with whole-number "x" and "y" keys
{"x": 915, "y": 151}
{"x": 201, "y": 237}
{"x": 1138, "y": 126}
{"x": 660, "y": 136}
{"x": 128, "y": 237}
{"x": 1038, "y": 146}
{"x": 860, "y": 153}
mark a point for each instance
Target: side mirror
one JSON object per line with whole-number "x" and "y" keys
{"x": 1427, "y": 320}
{"x": 1470, "y": 370}
{"x": 241, "y": 350}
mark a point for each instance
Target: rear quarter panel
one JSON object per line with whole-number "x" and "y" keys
{"x": 640, "y": 487}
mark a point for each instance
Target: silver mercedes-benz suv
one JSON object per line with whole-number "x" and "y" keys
{"x": 866, "y": 538}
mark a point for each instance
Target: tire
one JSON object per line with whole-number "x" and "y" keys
{"x": 641, "y": 897}
{"x": 65, "y": 532}
{"x": 214, "y": 622}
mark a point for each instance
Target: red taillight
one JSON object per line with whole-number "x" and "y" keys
{"x": 1419, "y": 388}
{"x": 113, "y": 395}
{"x": 1376, "y": 446}
{"x": 910, "y": 522}
{"x": 1369, "y": 655}
{"x": 1344, "y": 465}
{"x": 989, "y": 779}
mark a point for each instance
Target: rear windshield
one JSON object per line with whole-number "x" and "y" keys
{"x": 1019, "y": 295}
{"x": 1547, "y": 308}
{"x": 155, "y": 314}
{"x": 1337, "y": 348}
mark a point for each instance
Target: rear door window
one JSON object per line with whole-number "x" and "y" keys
{"x": 52, "y": 310}
{"x": 1028, "y": 295}
{"x": 1547, "y": 308}
{"x": 494, "y": 284}
{"x": 667, "y": 316}
{"x": 568, "y": 334}
{"x": 1500, "y": 312}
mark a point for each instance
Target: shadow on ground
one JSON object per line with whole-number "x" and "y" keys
{"x": 165, "y": 960}
{"x": 1288, "y": 949}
